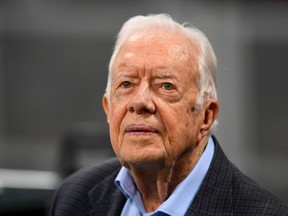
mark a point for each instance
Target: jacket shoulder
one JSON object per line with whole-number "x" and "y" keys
{"x": 248, "y": 196}
{"x": 73, "y": 195}
{"x": 93, "y": 174}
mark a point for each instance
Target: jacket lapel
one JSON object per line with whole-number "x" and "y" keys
{"x": 106, "y": 199}
{"x": 215, "y": 194}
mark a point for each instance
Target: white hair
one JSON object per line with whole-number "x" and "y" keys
{"x": 207, "y": 62}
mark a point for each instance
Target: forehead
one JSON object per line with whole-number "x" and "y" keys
{"x": 171, "y": 46}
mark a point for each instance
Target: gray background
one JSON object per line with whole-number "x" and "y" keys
{"x": 53, "y": 68}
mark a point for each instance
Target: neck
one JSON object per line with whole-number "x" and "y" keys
{"x": 156, "y": 183}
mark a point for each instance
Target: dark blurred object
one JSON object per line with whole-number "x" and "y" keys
{"x": 25, "y": 202}
{"x": 26, "y": 192}
{"x": 86, "y": 144}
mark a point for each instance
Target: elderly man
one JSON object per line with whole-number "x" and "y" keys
{"x": 161, "y": 104}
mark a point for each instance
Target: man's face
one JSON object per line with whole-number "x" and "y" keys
{"x": 154, "y": 89}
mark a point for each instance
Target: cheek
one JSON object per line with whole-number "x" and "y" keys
{"x": 176, "y": 119}
{"x": 181, "y": 128}
{"x": 118, "y": 109}
{"x": 117, "y": 114}
{"x": 175, "y": 122}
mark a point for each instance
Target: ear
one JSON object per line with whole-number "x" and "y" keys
{"x": 211, "y": 109}
{"x": 105, "y": 104}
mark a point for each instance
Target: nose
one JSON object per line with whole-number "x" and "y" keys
{"x": 141, "y": 101}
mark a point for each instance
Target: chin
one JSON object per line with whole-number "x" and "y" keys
{"x": 142, "y": 160}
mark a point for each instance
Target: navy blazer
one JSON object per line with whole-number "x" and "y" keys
{"x": 224, "y": 191}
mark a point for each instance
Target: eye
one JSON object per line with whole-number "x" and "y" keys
{"x": 126, "y": 84}
{"x": 168, "y": 86}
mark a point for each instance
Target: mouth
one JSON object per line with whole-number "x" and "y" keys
{"x": 141, "y": 130}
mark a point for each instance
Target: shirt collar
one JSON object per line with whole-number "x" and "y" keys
{"x": 183, "y": 195}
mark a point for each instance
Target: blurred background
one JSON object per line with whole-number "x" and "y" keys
{"x": 53, "y": 69}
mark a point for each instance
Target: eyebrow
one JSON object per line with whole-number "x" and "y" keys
{"x": 124, "y": 74}
{"x": 166, "y": 75}
{"x": 160, "y": 72}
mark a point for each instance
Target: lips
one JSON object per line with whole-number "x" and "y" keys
{"x": 140, "y": 129}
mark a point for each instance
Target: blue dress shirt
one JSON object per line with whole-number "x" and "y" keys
{"x": 180, "y": 199}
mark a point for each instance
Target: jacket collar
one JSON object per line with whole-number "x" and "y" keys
{"x": 215, "y": 194}
{"x": 105, "y": 198}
